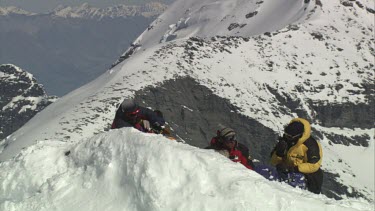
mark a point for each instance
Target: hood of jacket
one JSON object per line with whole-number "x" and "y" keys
{"x": 306, "y": 130}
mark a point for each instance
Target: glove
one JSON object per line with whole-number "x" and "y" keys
{"x": 156, "y": 124}
{"x": 281, "y": 148}
{"x": 281, "y": 168}
{"x": 157, "y": 127}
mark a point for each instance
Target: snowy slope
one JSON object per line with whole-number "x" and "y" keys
{"x": 225, "y": 18}
{"x": 318, "y": 52}
{"x": 127, "y": 170}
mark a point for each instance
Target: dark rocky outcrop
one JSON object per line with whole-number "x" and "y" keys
{"x": 21, "y": 97}
{"x": 332, "y": 189}
{"x": 347, "y": 115}
{"x": 318, "y": 36}
{"x": 252, "y": 14}
{"x": 195, "y": 113}
{"x": 233, "y": 26}
{"x": 372, "y": 11}
{"x": 347, "y": 4}
{"x": 345, "y": 140}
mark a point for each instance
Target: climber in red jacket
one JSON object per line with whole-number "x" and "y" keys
{"x": 226, "y": 144}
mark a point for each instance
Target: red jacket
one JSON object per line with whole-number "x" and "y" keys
{"x": 234, "y": 154}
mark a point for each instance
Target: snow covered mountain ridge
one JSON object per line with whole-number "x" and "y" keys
{"x": 14, "y": 10}
{"x": 250, "y": 64}
{"x": 85, "y": 11}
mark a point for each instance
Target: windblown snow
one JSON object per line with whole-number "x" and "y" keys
{"x": 128, "y": 170}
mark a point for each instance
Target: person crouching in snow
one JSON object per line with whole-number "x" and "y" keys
{"x": 129, "y": 114}
{"x": 297, "y": 151}
{"x": 225, "y": 143}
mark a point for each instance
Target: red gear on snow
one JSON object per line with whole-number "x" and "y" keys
{"x": 234, "y": 154}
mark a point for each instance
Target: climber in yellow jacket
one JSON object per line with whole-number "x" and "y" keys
{"x": 297, "y": 151}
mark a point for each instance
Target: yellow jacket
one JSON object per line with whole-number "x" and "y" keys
{"x": 306, "y": 154}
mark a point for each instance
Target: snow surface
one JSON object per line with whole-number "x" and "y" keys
{"x": 129, "y": 170}
{"x": 161, "y": 56}
{"x": 210, "y": 18}
{"x": 348, "y": 166}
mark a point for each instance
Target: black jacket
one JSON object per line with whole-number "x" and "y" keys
{"x": 121, "y": 120}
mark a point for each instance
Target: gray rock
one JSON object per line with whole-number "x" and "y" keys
{"x": 20, "y": 99}
{"x": 195, "y": 114}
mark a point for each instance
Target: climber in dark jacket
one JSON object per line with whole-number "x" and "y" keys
{"x": 225, "y": 143}
{"x": 297, "y": 151}
{"x": 129, "y": 114}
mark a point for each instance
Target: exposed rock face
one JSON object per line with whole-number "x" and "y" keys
{"x": 347, "y": 115}
{"x": 21, "y": 98}
{"x": 195, "y": 114}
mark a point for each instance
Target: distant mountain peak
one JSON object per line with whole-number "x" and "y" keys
{"x": 21, "y": 98}
{"x": 14, "y": 10}
{"x": 87, "y": 12}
